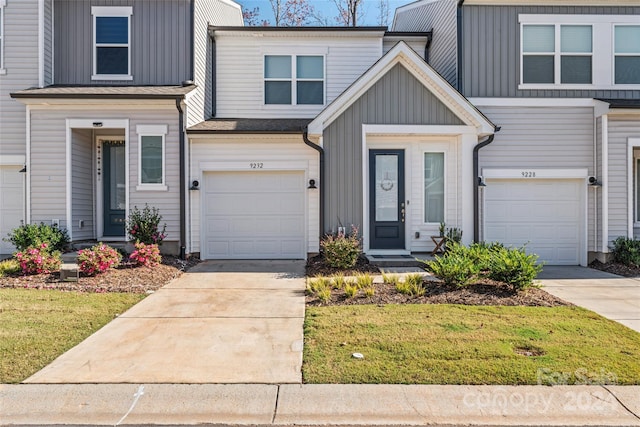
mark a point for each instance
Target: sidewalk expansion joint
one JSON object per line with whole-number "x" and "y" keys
{"x": 275, "y": 407}
{"x": 620, "y": 402}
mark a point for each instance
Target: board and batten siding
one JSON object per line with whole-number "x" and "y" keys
{"x": 48, "y": 163}
{"x": 544, "y": 138}
{"x": 48, "y": 42}
{"x": 242, "y": 149}
{"x": 441, "y": 17}
{"x": 621, "y": 128}
{"x": 397, "y": 98}
{"x": 160, "y": 42}
{"x": 83, "y": 182}
{"x": 239, "y": 70}
{"x": 21, "y": 65}
{"x": 207, "y": 12}
{"x": 491, "y": 51}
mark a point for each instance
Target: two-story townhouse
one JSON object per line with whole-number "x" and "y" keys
{"x": 107, "y": 134}
{"x": 562, "y": 79}
{"x": 321, "y": 128}
{"x": 25, "y": 61}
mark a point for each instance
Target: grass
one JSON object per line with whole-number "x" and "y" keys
{"x": 455, "y": 344}
{"x": 39, "y": 325}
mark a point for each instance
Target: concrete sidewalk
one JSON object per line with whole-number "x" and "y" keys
{"x": 614, "y": 297}
{"x": 221, "y": 322}
{"x": 261, "y": 404}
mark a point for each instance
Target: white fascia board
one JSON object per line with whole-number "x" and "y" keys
{"x": 550, "y": 3}
{"x": 96, "y": 104}
{"x": 12, "y": 159}
{"x": 403, "y": 54}
{"x": 534, "y": 102}
{"x": 283, "y": 32}
{"x": 435, "y": 130}
{"x": 112, "y": 10}
{"x": 576, "y": 19}
{"x": 535, "y": 173}
{"x": 88, "y": 123}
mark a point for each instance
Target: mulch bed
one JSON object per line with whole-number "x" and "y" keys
{"x": 616, "y": 268}
{"x": 124, "y": 278}
{"x": 316, "y": 266}
{"x": 483, "y": 293}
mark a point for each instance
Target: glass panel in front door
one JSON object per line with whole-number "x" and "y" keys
{"x": 386, "y": 187}
{"x": 114, "y": 188}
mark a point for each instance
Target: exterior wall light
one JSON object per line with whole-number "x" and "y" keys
{"x": 312, "y": 183}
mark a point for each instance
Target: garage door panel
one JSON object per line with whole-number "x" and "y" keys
{"x": 253, "y": 215}
{"x": 546, "y": 215}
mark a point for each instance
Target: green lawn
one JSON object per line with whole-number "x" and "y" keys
{"x": 455, "y": 344}
{"x": 36, "y": 326}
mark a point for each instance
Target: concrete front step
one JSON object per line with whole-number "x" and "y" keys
{"x": 391, "y": 261}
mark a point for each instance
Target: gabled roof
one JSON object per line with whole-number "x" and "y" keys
{"x": 250, "y": 126}
{"x": 402, "y": 54}
{"x": 111, "y": 92}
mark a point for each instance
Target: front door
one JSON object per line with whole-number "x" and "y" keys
{"x": 113, "y": 187}
{"x": 386, "y": 199}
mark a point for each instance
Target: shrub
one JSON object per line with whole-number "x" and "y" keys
{"x": 390, "y": 279}
{"x": 317, "y": 284}
{"x": 403, "y": 288}
{"x": 34, "y": 235}
{"x": 339, "y": 281}
{"x": 351, "y": 290}
{"x": 456, "y": 267}
{"x": 364, "y": 280}
{"x": 9, "y": 266}
{"x": 514, "y": 267}
{"x": 324, "y": 295}
{"x": 415, "y": 284}
{"x": 454, "y": 235}
{"x": 98, "y": 259}
{"x": 626, "y": 251}
{"x": 369, "y": 291}
{"x": 342, "y": 251}
{"x": 146, "y": 255}
{"x": 38, "y": 260}
{"x": 143, "y": 225}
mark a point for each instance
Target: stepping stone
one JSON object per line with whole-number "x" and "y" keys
{"x": 69, "y": 272}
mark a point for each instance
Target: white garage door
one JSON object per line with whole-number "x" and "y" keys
{"x": 11, "y": 203}
{"x": 253, "y": 215}
{"x": 547, "y": 215}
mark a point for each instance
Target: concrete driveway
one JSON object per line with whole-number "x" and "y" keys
{"x": 614, "y": 297}
{"x": 222, "y": 322}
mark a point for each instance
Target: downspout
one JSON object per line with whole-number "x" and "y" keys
{"x": 320, "y": 150}
{"x": 192, "y": 8}
{"x": 459, "y": 43}
{"x": 183, "y": 193}
{"x": 476, "y": 183}
{"x": 428, "y": 45}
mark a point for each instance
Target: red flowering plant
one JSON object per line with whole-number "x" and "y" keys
{"x": 98, "y": 259}
{"x": 144, "y": 225}
{"x": 38, "y": 260}
{"x": 146, "y": 255}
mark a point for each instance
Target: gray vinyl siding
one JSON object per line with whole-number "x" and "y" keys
{"x": 48, "y": 170}
{"x": 160, "y": 41}
{"x": 21, "y": 65}
{"x": 621, "y": 128}
{"x": 207, "y": 12}
{"x": 83, "y": 196}
{"x": 48, "y": 42}
{"x": 491, "y": 51}
{"x": 441, "y": 17}
{"x": 397, "y": 98}
{"x": 542, "y": 137}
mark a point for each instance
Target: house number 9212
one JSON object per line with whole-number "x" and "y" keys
{"x": 256, "y": 165}
{"x": 528, "y": 174}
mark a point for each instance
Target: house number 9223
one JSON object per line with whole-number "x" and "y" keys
{"x": 256, "y": 165}
{"x": 528, "y": 174}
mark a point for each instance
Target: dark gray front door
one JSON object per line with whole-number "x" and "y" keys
{"x": 113, "y": 187}
{"x": 386, "y": 199}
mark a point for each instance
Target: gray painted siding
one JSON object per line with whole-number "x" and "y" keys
{"x": 83, "y": 184}
{"x": 491, "y": 51}
{"x": 48, "y": 42}
{"x": 621, "y": 128}
{"x": 48, "y": 138}
{"x": 21, "y": 64}
{"x": 542, "y": 137}
{"x": 160, "y": 41}
{"x": 441, "y": 16}
{"x": 215, "y": 13}
{"x": 397, "y": 98}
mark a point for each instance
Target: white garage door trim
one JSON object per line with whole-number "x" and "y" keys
{"x": 292, "y": 246}
{"x": 578, "y": 176}
{"x": 11, "y": 203}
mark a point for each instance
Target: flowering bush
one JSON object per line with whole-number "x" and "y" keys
{"x": 143, "y": 225}
{"x": 98, "y": 259}
{"x": 146, "y": 255}
{"x": 38, "y": 260}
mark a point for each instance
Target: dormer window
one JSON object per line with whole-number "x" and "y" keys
{"x": 112, "y": 43}
{"x": 293, "y": 80}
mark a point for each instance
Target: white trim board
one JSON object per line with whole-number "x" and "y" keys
{"x": 535, "y": 102}
{"x": 425, "y": 130}
{"x": 12, "y": 159}
{"x": 534, "y": 173}
{"x": 631, "y": 144}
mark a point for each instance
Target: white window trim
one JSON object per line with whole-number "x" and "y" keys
{"x": 444, "y": 177}
{"x": 108, "y": 11}
{"x": 602, "y": 53}
{"x": 152, "y": 130}
{"x": 294, "y": 79}
{"x": 615, "y": 54}
{"x": 3, "y": 70}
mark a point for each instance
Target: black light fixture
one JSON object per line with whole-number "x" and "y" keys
{"x": 97, "y": 124}
{"x": 195, "y": 185}
{"x": 23, "y": 170}
{"x": 481, "y": 182}
{"x": 312, "y": 183}
{"x": 593, "y": 182}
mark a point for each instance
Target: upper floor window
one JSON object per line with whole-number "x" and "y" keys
{"x": 112, "y": 43}
{"x": 293, "y": 80}
{"x": 579, "y": 51}
{"x": 627, "y": 54}
{"x": 3, "y": 3}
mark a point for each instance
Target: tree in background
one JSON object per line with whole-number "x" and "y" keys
{"x": 383, "y": 13}
{"x": 291, "y": 13}
{"x": 252, "y": 18}
{"x": 349, "y": 12}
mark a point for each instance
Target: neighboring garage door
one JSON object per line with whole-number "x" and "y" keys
{"x": 11, "y": 203}
{"x": 545, "y": 214}
{"x": 253, "y": 215}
